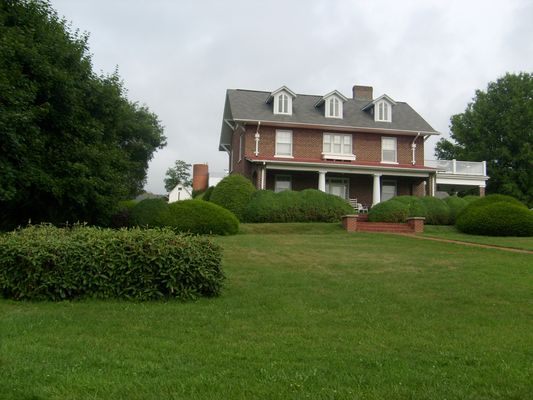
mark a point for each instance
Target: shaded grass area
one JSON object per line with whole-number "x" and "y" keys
{"x": 450, "y": 232}
{"x": 309, "y": 311}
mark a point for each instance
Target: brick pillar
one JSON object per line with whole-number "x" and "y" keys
{"x": 416, "y": 224}
{"x": 349, "y": 222}
{"x": 482, "y": 191}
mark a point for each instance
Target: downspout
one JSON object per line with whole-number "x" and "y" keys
{"x": 413, "y": 149}
{"x": 263, "y": 176}
{"x": 257, "y": 137}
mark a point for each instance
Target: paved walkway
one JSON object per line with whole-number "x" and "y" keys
{"x": 487, "y": 246}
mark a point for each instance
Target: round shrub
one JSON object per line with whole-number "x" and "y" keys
{"x": 150, "y": 213}
{"x": 470, "y": 198}
{"x": 207, "y": 193}
{"x": 122, "y": 218}
{"x": 201, "y": 217}
{"x": 456, "y": 205}
{"x": 233, "y": 193}
{"x": 437, "y": 211}
{"x": 389, "y": 211}
{"x": 497, "y": 219}
{"x": 318, "y": 206}
{"x": 493, "y": 198}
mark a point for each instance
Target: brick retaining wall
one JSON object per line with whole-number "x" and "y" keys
{"x": 359, "y": 223}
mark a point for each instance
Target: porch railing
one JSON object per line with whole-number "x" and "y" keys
{"x": 458, "y": 167}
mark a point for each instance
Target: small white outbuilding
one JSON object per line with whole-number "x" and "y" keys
{"x": 179, "y": 193}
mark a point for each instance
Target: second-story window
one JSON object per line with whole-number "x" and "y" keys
{"x": 336, "y": 144}
{"x": 388, "y": 150}
{"x": 283, "y": 143}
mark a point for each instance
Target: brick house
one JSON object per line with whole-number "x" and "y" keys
{"x": 363, "y": 148}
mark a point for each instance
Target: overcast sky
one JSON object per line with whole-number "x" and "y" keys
{"x": 179, "y": 57}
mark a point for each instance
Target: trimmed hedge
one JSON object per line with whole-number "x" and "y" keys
{"x": 416, "y": 207}
{"x": 308, "y": 205}
{"x": 122, "y": 218}
{"x": 233, "y": 193}
{"x": 48, "y": 263}
{"x": 502, "y": 218}
{"x": 196, "y": 216}
{"x": 208, "y": 193}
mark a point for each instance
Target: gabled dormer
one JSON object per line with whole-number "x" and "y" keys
{"x": 333, "y": 104}
{"x": 282, "y": 100}
{"x": 381, "y": 108}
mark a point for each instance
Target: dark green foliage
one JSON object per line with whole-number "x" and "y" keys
{"x": 48, "y": 263}
{"x": 416, "y": 207}
{"x": 437, "y": 211}
{"x": 309, "y": 205}
{"x": 122, "y": 218}
{"x": 233, "y": 193}
{"x": 470, "y": 198}
{"x": 208, "y": 193}
{"x": 496, "y": 219}
{"x": 456, "y": 205}
{"x": 498, "y": 127}
{"x": 71, "y": 144}
{"x": 389, "y": 211}
{"x": 490, "y": 199}
{"x": 196, "y": 216}
{"x": 150, "y": 213}
{"x": 197, "y": 194}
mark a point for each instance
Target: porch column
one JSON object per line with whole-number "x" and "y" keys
{"x": 376, "y": 194}
{"x": 322, "y": 181}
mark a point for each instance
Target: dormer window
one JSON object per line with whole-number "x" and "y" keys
{"x": 282, "y": 104}
{"x": 282, "y": 99}
{"x": 383, "y": 111}
{"x": 333, "y": 103}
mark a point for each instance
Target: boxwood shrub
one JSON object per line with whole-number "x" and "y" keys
{"x": 122, "y": 218}
{"x": 49, "y": 263}
{"x": 151, "y": 213}
{"x": 416, "y": 207}
{"x": 308, "y": 205}
{"x": 502, "y": 218}
{"x": 202, "y": 217}
{"x": 389, "y": 211}
{"x": 456, "y": 205}
{"x": 437, "y": 211}
{"x": 233, "y": 193}
{"x": 207, "y": 193}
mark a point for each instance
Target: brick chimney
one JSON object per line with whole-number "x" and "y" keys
{"x": 200, "y": 177}
{"x": 363, "y": 92}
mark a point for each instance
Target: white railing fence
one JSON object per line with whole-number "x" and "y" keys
{"x": 458, "y": 167}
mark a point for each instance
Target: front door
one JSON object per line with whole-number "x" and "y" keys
{"x": 337, "y": 186}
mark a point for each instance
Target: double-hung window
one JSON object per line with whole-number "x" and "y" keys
{"x": 283, "y": 182}
{"x": 388, "y": 150}
{"x": 283, "y": 143}
{"x": 383, "y": 112}
{"x": 283, "y": 104}
{"x": 337, "y": 146}
{"x": 334, "y": 108}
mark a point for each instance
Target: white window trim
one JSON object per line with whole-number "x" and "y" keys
{"x": 376, "y": 111}
{"x": 276, "y": 154}
{"x": 338, "y": 156}
{"x": 327, "y": 108}
{"x": 286, "y": 178}
{"x": 395, "y": 150}
{"x": 289, "y": 103}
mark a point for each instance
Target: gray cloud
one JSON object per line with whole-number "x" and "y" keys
{"x": 180, "y": 57}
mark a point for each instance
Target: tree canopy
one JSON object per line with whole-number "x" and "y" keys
{"x": 179, "y": 173}
{"x": 497, "y": 126}
{"x": 72, "y": 145}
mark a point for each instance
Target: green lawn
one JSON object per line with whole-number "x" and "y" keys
{"x": 450, "y": 232}
{"x": 309, "y": 311}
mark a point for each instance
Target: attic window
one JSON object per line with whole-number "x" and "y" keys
{"x": 382, "y": 111}
{"x": 283, "y": 104}
{"x": 333, "y": 108}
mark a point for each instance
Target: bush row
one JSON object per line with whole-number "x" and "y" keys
{"x": 48, "y": 263}
{"x": 290, "y": 206}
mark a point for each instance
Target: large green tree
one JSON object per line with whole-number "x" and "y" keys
{"x": 72, "y": 145}
{"x": 179, "y": 173}
{"x": 497, "y": 126}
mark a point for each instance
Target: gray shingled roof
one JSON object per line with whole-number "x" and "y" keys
{"x": 251, "y": 105}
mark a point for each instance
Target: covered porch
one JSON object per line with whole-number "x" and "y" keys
{"x": 369, "y": 186}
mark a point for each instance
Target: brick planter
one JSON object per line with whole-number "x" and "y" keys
{"x": 356, "y": 223}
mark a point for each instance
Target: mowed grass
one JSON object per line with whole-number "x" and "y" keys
{"x": 309, "y": 311}
{"x": 450, "y": 232}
